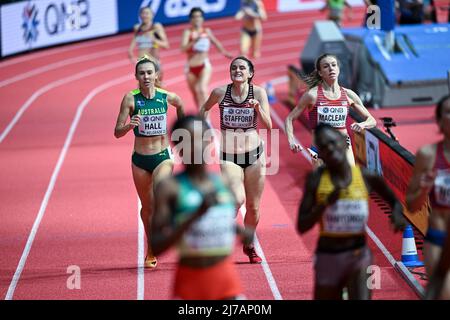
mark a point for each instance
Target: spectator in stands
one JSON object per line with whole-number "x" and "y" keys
{"x": 148, "y": 37}
{"x": 336, "y": 195}
{"x": 431, "y": 180}
{"x": 252, "y": 12}
{"x": 328, "y": 102}
{"x": 336, "y": 10}
{"x": 410, "y": 11}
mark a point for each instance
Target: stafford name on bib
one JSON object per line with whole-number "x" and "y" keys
{"x": 238, "y": 117}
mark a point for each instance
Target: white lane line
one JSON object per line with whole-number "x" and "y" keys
{"x": 56, "y": 170}
{"x": 140, "y": 255}
{"x": 53, "y": 85}
{"x": 265, "y": 265}
{"x": 61, "y": 63}
{"x": 397, "y": 265}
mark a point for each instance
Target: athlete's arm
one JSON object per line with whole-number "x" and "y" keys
{"x": 126, "y": 108}
{"x": 176, "y": 101}
{"x": 261, "y": 106}
{"x": 217, "y": 44}
{"x": 163, "y": 42}
{"x": 437, "y": 279}
{"x": 376, "y": 183}
{"x": 262, "y": 10}
{"x": 356, "y": 102}
{"x": 422, "y": 178}
{"x": 185, "y": 43}
{"x": 133, "y": 45}
{"x": 309, "y": 211}
{"x": 305, "y": 102}
{"x": 215, "y": 97}
{"x": 239, "y": 15}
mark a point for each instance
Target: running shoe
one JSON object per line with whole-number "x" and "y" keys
{"x": 252, "y": 255}
{"x": 150, "y": 262}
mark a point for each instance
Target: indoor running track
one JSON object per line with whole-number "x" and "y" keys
{"x": 67, "y": 196}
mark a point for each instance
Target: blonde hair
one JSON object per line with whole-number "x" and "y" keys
{"x": 314, "y": 79}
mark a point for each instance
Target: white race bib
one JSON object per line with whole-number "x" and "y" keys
{"x": 202, "y": 44}
{"x": 153, "y": 125}
{"x": 215, "y": 230}
{"x": 238, "y": 117}
{"x": 333, "y": 116}
{"x": 442, "y": 187}
{"x": 346, "y": 216}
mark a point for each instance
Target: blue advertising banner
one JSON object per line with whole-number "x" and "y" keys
{"x": 172, "y": 11}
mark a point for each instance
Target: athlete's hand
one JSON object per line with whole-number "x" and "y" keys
{"x": 333, "y": 196}
{"x": 209, "y": 200}
{"x": 397, "y": 219}
{"x": 228, "y": 55}
{"x": 253, "y": 103}
{"x": 427, "y": 180}
{"x": 135, "y": 121}
{"x": 295, "y": 147}
{"x": 357, "y": 127}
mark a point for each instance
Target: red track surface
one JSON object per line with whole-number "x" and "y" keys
{"x": 79, "y": 182}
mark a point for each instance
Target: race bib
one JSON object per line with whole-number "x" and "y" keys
{"x": 153, "y": 125}
{"x": 333, "y": 116}
{"x": 346, "y": 216}
{"x": 215, "y": 230}
{"x": 442, "y": 188}
{"x": 202, "y": 44}
{"x": 238, "y": 117}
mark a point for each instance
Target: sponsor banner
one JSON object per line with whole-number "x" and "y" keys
{"x": 397, "y": 172}
{"x": 173, "y": 11}
{"x": 301, "y": 5}
{"x": 28, "y": 25}
{"x": 373, "y": 162}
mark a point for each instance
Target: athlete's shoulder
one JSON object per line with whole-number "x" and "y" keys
{"x": 220, "y": 90}
{"x": 310, "y": 96}
{"x": 427, "y": 151}
{"x": 134, "y": 92}
{"x": 163, "y": 91}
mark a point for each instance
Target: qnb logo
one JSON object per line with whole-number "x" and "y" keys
{"x": 66, "y": 16}
{"x": 181, "y": 8}
{"x": 30, "y": 23}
